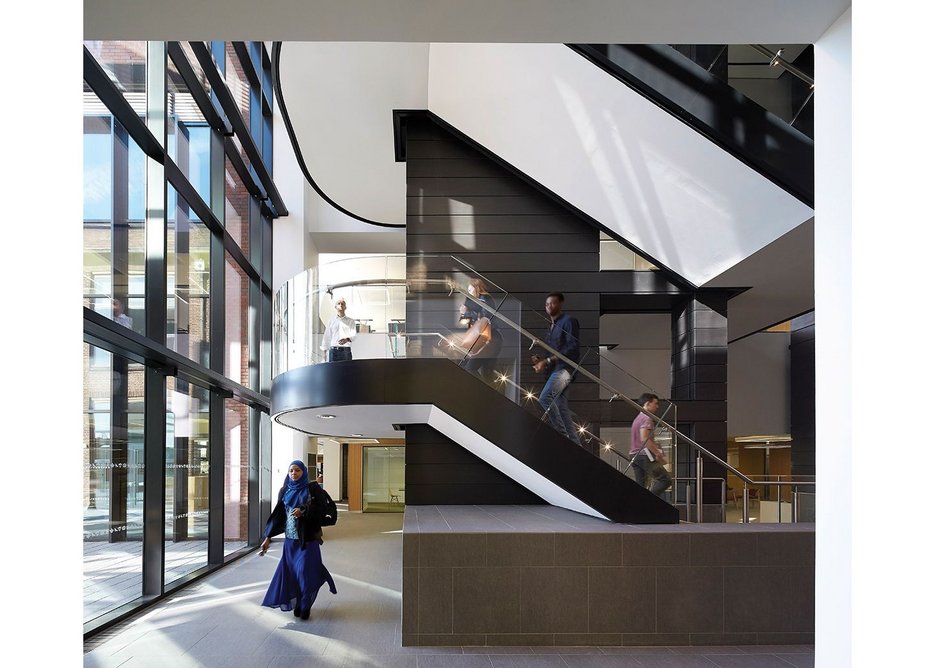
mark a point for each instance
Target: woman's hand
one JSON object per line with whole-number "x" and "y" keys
{"x": 297, "y": 513}
{"x": 264, "y": 545}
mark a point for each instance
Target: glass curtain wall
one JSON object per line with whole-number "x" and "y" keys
{"x": 177, "y": 265}
{"x": 187, "y": 470}
{"x": 112, "y": 498}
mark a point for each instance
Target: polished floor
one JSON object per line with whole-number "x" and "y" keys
{"x": 219, "y": 622}
{"x": 113, "y": 574}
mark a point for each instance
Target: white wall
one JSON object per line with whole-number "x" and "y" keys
{"x": 782, "y": 280}
{"x": 888, "y": 349}
{"x": 760, "y": 385}
{"x": 613, "y": 154}
{"x": 291, "y": 244}
{"x": 641, "y": 360}
{"x": 834, "y": 377}
{"x": 340, "y": 96}
{"x": 288, "y": 445}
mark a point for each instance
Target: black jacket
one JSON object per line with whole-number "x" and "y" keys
{"x": 307, "y": 527}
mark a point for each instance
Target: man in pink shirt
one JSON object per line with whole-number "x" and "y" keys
{"x": 646, "y": 456}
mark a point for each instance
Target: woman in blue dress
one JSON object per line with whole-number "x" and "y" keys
{"x": 300, "y": 573}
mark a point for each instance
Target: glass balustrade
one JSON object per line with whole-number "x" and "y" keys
{"x": 438, "y": 306}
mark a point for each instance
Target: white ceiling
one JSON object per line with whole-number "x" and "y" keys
{"x": 781, "y": 280}
{"x": 735, "y": 22}
{"x": 550, "y": 21}
{"x": 339, "y": 97}
{"x": 604, "y": 148}
{"x": 371, "y": 421}
{"x": 352, "y": 160}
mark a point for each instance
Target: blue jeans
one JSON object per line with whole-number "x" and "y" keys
{"x": 644, "y": 468}
{"x": 555, "y": 404}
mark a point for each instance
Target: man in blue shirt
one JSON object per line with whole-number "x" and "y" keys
{"x": 563, "y": 337}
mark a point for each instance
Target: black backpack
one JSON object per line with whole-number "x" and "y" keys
{"x": 324, "y": 509}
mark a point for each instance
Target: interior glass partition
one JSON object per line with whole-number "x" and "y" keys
{"x": 374, "y": 290}
{"x": 383, "y": 479}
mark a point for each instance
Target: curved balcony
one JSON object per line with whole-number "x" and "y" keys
{"x": 417, "y": 360}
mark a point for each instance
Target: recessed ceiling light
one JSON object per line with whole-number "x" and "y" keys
{"x": 326, "y": 416}
{"x": 358, "y": 435}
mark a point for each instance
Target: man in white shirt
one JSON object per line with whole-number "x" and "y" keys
{"x": 121, "y": 318}
{"x": 338, "y": 335}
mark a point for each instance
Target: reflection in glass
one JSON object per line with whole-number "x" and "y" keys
{"x": 196, "y": 67}
{"x": 236, "y": 334}
{"x": 236, "y": 207}
{"x": 116, "y": 181}
{"x": 236, "y": 474}
{"x": 187, "y": 410}
{"x": 237, "y": 81}
{"x": 383, "y": 479}
{"x": 188, "y": 134}
{"x": 410, "y": 306}
{"x": 112, "y": 481}
{"x": 188, "y": 264}
{"x": 374, "y": 290}
{"x": 114, "y": 258}
{"x": 125, "y": 64}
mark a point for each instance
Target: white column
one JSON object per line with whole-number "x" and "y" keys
{"x": 332, "y": 467}
{"x": 834, "y": 308}
{"x": 290, "y": 237}
{"x": 893, "y": 394}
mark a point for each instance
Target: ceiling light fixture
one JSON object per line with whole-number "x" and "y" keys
{"x": 326, "y": 416}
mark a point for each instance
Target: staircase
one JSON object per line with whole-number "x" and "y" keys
{"x": 375, "y": 396}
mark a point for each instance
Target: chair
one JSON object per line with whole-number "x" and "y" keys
{"x": 393, "y": 497}
{"x": 735, "y": 494}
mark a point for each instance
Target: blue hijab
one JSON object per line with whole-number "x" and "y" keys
{"x": 297, "y": 491}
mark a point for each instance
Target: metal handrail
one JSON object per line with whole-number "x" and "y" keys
{"x": 699, "y": 484}
{"x": 537, "y": 342}
{"x": 776, "y": 58}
